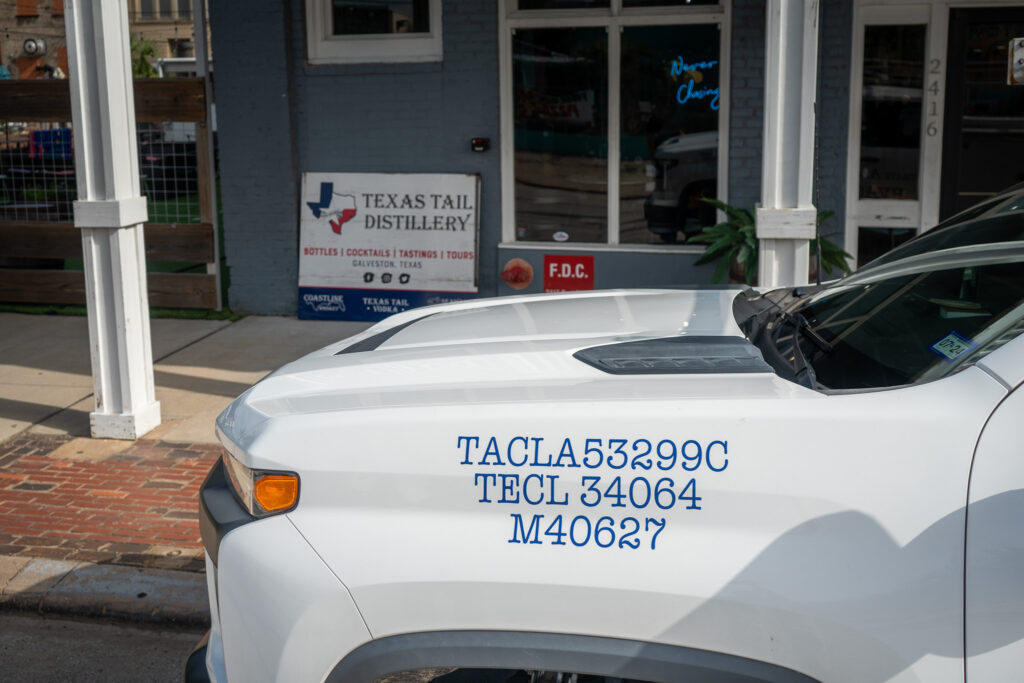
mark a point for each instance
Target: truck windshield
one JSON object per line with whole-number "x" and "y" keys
{"x": 902, "y": 330}
{"x": 995, "y": 221}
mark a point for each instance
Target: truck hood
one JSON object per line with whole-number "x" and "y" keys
{"x": 585, "y": 318}
{"x": 511, "y": 349}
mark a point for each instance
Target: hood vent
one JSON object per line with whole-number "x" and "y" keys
{"x": 676, "y": 356}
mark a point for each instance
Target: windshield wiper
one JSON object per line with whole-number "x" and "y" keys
{"x": 764, "y": 328}
{"x": 812, "y": 333}
{"x": 803, "y": 372}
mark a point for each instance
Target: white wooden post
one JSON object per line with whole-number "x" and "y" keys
{"x": 786, "y": 217}
{"x": 110, "y": 212}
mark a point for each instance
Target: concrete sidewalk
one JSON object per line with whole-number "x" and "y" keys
{"x": 99, "y": 527}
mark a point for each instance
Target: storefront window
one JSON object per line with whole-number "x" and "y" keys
{"x": 670, "y": 99}
{"x": 667, "y": 3}
{"x": 891, "y": 111}
{"x": 373, "y": 31}
{"x": 614, "y": 137}
{"x": 560, "y": 95}
{"x": 364, "y": 17}
{"x": 873, "y": 242}
{"x": 562, "y": 4}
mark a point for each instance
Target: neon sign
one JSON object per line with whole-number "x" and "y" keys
{"x": 688, "y": 90}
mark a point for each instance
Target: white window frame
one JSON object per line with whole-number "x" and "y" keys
{"x": 324, "y": 48}
{"x": 921, "y": 213}
{"x": 615, "y": 18}
{"x": 135, "y": 6}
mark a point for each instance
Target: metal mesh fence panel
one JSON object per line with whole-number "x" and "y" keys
{"x": 37, "y": 172}
{"x": 167, "y": 172}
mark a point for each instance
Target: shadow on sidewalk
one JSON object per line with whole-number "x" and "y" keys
{"x": 26, "y": 410}
{"x": 201, "y": 385}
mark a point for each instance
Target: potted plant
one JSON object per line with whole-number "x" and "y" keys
{"x": 734, "y": 245}
{"x": 832, "y": 256}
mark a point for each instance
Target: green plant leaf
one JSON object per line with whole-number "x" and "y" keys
{"x": 743, "y": 255}
{"x": 737, "y": 215}
{"x": 722, "y": 268}
{"x": 710, "y": 234}
{"x": 752, "y": 272}
{"x": 735, "y": 240}
{"x": 708, "y": 256}
{"x": 832, "y": 256}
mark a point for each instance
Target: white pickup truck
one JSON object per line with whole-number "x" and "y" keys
{"x": 821, "y": 483}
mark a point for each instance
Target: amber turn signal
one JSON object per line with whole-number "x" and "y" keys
{"x": 275, "y": 492}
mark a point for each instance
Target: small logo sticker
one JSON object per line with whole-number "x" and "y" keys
{"x": 952, "y": 346}
{"x": 560, "y": 236}
{"x": 325, "y": 303}
{"x": 517, "y": 274}
{"x": 337, "y": 211}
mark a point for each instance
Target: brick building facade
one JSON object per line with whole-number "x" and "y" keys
{"x": 166, "y": 26}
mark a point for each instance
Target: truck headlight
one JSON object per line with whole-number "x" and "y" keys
{"x": 262, "y": 492}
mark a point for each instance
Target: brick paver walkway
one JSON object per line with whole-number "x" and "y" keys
{"x": 134, "y": 507}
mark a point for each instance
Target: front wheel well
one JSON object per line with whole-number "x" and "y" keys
{"x": 588, "y": 655}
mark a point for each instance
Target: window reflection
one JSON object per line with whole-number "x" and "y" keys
{"x": 873, "y": 242}
{"x": 368, "y": 17}
{"x": 561, "y": 4}
{"x": 890, "y": 143}
{"x": 666, "y": 3}
{"x": 989, "y": 114}
{"x": 913, "y": 327}
{"x": 669, "y": 140}
{"x": 561, "y": 134}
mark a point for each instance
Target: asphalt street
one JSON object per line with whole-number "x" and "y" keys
{"x": 36, "y": 649}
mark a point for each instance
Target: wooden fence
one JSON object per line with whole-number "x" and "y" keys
{"x": 34, "y": 242}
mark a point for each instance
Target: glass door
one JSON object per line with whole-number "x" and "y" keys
{"x": 983, "y": 147}
{"x": 888, "y": 128}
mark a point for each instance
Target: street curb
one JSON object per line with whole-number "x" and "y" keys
{"x": 84, "y": 589}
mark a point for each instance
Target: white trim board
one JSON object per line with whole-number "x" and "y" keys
{"x": 592, "y": 247}
{"x": 324, "y": 48}
{"x": 922, "y": 213}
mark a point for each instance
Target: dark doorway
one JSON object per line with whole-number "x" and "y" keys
{"x": 983, "y": 140}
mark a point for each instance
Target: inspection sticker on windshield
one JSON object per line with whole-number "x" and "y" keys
{"x": 952, "y": 346}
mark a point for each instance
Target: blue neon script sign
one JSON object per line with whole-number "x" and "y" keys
{"x": 689, "y": 91}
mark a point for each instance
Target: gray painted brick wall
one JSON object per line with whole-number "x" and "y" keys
{"x": 257, "y": 188}
{"x": 746, "y": 118}
{"x": 383, "y": 118}
{"x": 833, "y": 119}
{"x": 746, "y": 112}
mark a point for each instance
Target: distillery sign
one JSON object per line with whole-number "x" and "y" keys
{"x": 374, "y": 244}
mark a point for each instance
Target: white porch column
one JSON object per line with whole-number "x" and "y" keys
{"x": 786, "y": 217}
{"x": 110, "y": 212}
